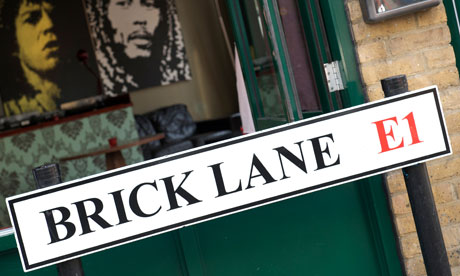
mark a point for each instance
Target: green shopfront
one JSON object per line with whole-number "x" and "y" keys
{"x": 283, "y": 46}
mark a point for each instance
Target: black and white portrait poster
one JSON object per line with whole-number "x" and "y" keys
{"x": 39, "y": 68}
{"x": 138, "y": 43}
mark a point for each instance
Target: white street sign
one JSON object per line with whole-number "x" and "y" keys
{"x": 98, "y": 212}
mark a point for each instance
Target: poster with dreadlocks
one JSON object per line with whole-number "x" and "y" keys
{"x": 39, "y": 68}
{"x": 138, "y": 43}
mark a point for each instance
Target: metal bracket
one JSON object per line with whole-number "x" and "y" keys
{"x": 333, "y": 76}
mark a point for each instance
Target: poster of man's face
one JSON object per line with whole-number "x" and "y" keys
{"x": 39, "y": 68}
{"x": 138, "y": 43}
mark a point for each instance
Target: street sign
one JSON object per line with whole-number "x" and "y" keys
{"x": 98, "y": 212}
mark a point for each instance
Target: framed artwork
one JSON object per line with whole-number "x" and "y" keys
{"x": 39, "y": 68}
{"x": 137, "y": 43}
{"x": 378, "y": 10}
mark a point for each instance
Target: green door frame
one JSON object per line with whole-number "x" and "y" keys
{"x": 452, "y": 10}
{"x": 334, "y": 43}
{"x": 242, "y": 44}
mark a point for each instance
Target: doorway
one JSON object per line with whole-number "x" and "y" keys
{"x": 346, "y": 230}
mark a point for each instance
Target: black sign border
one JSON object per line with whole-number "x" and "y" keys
{"x": 339, "y": 113}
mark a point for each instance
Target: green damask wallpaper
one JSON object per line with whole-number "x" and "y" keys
{"x": 19, "y": 154}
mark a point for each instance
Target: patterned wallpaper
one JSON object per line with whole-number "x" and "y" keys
{"x": 19, "y": 154}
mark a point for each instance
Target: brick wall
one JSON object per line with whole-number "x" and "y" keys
{"x": 417, "y": 45}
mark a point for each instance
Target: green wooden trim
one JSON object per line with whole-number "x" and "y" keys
{"x": 309, "y": 114}
{"x": 286, "y": 71}
{"x": 342, "y": 49}
{"x": 242, "y": 44}
{"x": 452, "y": 14}
{"x": 317, "y": 56}
{"x": 7, "y": 242}
{"x": 245, "y": 58}
{"x": 324, "y": 46}
{"x": 265, "y": 123}
{"x": 380, "y": 223}
{"x": 189, "y": 245}
{"x": 279, "y": 61}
